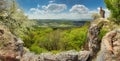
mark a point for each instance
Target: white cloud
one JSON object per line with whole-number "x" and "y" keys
{"x": 37, "y": 11}
{"x": 32, "y": 9}
{"x": 59, "y": 16}
{"x": 49, "y": 12}
{"x": 55, "y": 7}
{"x": 79, "y": 9}
{"x": 51, "y": 1}
{"x": 107, "y": 13}
{"x": 50, "y": 8}
{"x": 41, "y": 14}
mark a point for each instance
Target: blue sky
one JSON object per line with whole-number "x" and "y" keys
{"x": 60, "y": 9}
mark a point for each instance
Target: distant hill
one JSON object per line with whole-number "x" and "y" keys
{"x": 60, "y": 22}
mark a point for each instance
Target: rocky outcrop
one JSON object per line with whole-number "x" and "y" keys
{"x": 9, "y": 46}
{"x": 93, "y": 36}
{"x": 107, "y": 49}
{"x": 62, "y": 56}
{"x": 110, "y": 47}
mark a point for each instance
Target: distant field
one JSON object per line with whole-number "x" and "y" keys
{"x": 57, "y": 23}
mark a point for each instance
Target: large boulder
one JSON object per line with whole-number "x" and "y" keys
{"x": 8, "y": 45}
{"x": 71, "y": 55}
{"x": 93, "y": 35}
{"x": 110, "y": 47}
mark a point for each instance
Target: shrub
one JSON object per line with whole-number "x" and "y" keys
{"x": 37, "y": 49}
{"x": 102, "y": 33}
{"x": 114, "y": 7}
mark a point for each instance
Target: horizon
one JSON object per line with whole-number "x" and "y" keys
{"x": 61, "y": 9}
{"x": 66, "y": 19}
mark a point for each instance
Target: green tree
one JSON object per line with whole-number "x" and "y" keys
{"x": 3, "y": 7}
{"x": 114, "y": 7}
{"x": 13, "y": 17}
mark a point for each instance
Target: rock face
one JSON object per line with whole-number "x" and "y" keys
{"x": 110, "y": 43}
{"x": 8, "y": 46}
{"x": 93, "y": 36}
{"x": 93, "y": 33}
{"x": 116, "y": 45}
{"x": 110, "y": 47}
{"x": 62, "y": 56}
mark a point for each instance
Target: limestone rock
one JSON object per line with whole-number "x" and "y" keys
{"x": 110, "y": 47}
{"x": 110, "y": 43}
{"x": 93, "y": 35}
{"x": 8, "y": 46}
{"x": 62, "y": 56}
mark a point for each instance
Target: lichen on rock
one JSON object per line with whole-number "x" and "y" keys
{"x": 8, "y": 45}
{"x": 110, "y": 47}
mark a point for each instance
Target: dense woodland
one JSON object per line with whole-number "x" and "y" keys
{"x": 44, "y": 39}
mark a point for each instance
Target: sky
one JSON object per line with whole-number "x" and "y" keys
{"x": 61, "y": 9}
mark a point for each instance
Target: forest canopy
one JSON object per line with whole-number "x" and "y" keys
{"x": 114, "y": 7}
{"x": 13, "y": 17}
